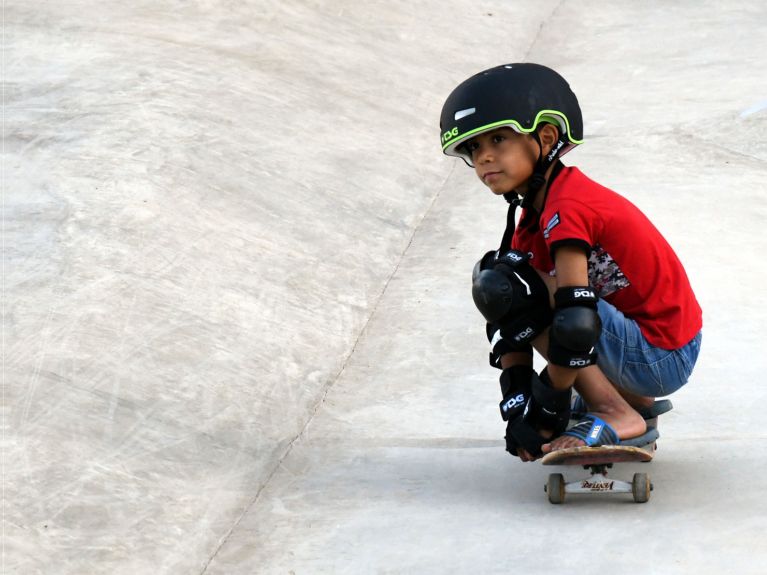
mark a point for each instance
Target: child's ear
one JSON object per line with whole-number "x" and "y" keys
{"x": 549, "y": 134}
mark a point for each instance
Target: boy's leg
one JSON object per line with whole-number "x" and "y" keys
{"x": 605, "y": 402}
{"x": 634, "y": 399}
{"x": 603, "y": 398}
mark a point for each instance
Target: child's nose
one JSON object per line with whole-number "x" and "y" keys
{"x": 483, "y": 155}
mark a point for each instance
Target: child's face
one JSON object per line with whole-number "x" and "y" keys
{"x": 503, "y": 159}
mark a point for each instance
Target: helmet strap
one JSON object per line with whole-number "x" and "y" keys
{"x": 538, "y": 179}
{"x": 511, "y": 224}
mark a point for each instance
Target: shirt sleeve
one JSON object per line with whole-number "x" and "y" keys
{"x": 570, "y": 223}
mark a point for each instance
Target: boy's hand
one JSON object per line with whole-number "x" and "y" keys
{"x": 530, "y": 424}
{"x": 526, "y": 456}
{"x": 516, "y": 386}
{"x": 522, "y": 440}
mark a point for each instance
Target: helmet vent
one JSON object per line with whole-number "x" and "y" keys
{"x": 463, "y": 113}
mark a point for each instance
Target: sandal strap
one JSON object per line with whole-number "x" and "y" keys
{"x": 593, "y": 431}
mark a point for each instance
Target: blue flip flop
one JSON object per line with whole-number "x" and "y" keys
{"x": 594, "y": 431}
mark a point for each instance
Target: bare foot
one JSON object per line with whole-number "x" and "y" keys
{"x": 562, "y": 442}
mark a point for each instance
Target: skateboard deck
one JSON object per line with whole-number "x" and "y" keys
{"x": 602, "y": 455}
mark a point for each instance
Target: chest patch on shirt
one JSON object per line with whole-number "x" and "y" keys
{"x": 553, "y": 223}
{"x": 605, "y": 274}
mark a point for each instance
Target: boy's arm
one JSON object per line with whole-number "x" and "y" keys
{"x": 515, "y": 358}
{"x": 571, "y": 266}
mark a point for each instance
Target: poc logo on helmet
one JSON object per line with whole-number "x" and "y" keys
{"x": 583, "y": 293}
{"x": 449, "y": 135}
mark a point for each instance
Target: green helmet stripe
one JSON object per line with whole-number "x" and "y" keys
{"x": 543, "y": 115}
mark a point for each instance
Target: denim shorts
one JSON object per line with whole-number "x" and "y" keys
{"x": 632, "y": 363}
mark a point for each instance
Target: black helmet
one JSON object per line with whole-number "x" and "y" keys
{"x": 517, "y": 96}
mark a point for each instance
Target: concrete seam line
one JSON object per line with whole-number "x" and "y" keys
{"x": 540, "y": 30}
{"x": 332, "y": 381}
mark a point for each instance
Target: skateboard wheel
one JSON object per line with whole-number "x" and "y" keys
{"x": 641, "y": 487}
{"x": 555, "y": 488}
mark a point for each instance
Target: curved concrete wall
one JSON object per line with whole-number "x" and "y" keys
{"x": 203, "y": 204}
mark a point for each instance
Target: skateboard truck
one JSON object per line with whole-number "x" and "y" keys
{"x": 640, "y": 486}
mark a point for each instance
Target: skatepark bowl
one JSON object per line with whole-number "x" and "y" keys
{"x": 238, "y": 335}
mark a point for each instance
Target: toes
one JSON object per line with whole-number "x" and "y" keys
{"x": 563, "y": 443}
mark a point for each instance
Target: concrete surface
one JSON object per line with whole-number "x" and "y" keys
{"x": 237, "y": 330}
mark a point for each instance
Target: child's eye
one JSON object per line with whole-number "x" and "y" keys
{"x": 498, "y": 138}
{"x": 471, "y": 146}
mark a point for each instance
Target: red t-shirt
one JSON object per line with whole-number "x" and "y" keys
{"x": 631, "y": 265}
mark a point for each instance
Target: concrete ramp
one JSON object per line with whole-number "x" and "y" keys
{"x": 237, "y": 329}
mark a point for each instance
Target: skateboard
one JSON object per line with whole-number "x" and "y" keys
{"x": 599, "y": 459}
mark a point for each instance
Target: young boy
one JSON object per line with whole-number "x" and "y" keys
{"x": 585, "y": 278}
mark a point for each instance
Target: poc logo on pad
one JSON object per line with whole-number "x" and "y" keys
{"x": 514, "y": 402}
{"x": 527, "y": 332}
{"x": 583, "y": 293}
